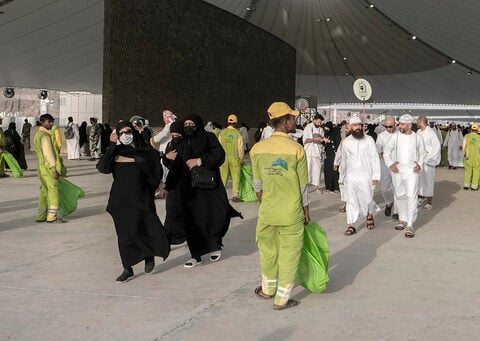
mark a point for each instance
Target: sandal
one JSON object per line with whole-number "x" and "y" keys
{"x": 399, "y": 227}
{"x": 192, "y": 263}
{"x": 370, "y": 222}
{"x": 259, "y": 292}
{"x": 409, "y": 233}
{"x": 350, "y": 230}
{"x": 215, "y": 255}
{"x": 343, "y": 209}
{"x": 290, "y": 303}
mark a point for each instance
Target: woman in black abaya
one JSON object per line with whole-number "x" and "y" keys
{"x": 206, "y": 212}
{"x": 136, "y": 171}
{"x": 331, "y": 175}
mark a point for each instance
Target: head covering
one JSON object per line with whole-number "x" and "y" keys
{"x": 168, "y": 116}
{"x": 12, "y": 126}
{"x": 197, "y": 120}
{"x": 280, "y": 109}
{"x": 176, "y": 127}
{"x": 406, "y": 118}
{"x": 475, "y": 127}
{"x": 138, "y": 141}
{"x": 232, "y": 118}
{"x": 354, "y": 119}
{"x": 138, "y": 120}
{"x": 329, "y": 125}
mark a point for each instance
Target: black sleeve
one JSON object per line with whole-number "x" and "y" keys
{"x": 106, "y": 162}
{"x": 215, "y": 156}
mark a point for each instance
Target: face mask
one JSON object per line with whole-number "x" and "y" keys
{"x": 126, "y": 139}
{"x": 189, "y": 131}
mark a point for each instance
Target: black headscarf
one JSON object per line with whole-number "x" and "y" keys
{"x": 198, "y": 123}
{"x": 176, "y": 127}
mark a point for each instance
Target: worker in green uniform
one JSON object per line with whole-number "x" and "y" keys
{"x": 47, "y": 171}
{"x": 232, "y": 142}
{"x": 280, "y": 180}
{"x": 471, "y": 161}
{"x": 2, "y": 146}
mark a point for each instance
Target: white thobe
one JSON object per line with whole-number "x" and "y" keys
{"x": 405, "y": 150}
{"x": 313, "y": 150}
{"x": 336, "y": 162}
{"x": 433, "y": 156}
{"x": 454, "y": 141}
{"x": 266, "y": 133}
{"x": 438, "y": 132}
{"x": 386, "y": 185}
{"x": 359, "y": 166}
{"x": 73, "y": 144}
{"x": 162, "y": 138}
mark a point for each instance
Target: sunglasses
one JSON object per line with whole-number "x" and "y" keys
{"x": 128, "y": 132}
{"x": 389, "y": 127}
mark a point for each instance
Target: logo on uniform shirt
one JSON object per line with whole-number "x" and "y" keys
{"x": 231, "y": 136}
{"x": 280, "y": 162}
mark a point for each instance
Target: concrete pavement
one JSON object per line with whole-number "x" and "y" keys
{"x": 57, "y": 281}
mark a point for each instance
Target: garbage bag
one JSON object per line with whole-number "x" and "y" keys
{"x": 313, "y": 266}
{"x": 68, "y": 194}
{"x": 247, "y": 192}
{"x": 12, "y": 164}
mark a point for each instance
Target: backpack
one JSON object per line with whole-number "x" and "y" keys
{"x": 69, "y": 134}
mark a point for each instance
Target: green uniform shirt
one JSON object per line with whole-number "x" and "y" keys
{"x": 472, "y": 146}
{"x": 232, "y": 142}
{"x": 280, "y": 163}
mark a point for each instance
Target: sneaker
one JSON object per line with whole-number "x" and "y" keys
{"x": 126, "y": 275}
{"x": 395, "y": 216}
{"x": 192, "y": 263}
{"x": 149, "y": 264}
{"x": 388, "y": 210}
{"x": 427, "y": 207}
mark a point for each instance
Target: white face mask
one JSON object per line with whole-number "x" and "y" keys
{"x": 126, "y": 139}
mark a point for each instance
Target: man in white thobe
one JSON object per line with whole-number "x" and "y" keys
{"x": 404, "y": 154}
{"x": 454, "y": 141}
{"x": 313, "y": 136}
{"x": 163, "y": 137}
{"x": 267, "y": 132}
{"x": 336, "y": 164}
{"x": 73, "y": 144}
{"x": 386, "y": 185}
{"x": 433, "y": 156}
{"x": 437, "y": 131}
{"x": 359, "y": 173}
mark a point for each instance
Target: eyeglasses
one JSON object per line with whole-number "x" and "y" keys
{"x": 389, "y": 127}
{"x": 128, "y": 132}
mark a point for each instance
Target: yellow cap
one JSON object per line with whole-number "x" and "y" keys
{"x": 475, "y": 127}
{"x": 232, "y": 118}
{"x": 279, "y": 109}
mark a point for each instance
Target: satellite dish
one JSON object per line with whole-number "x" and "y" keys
{"x": 362, "y": 89}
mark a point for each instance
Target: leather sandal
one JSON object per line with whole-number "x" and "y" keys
{"x": 350, "y": 230}
{"x": 259, "y": 292}
{"x": 290, "y": 303}
{"x": 370, "y": 222}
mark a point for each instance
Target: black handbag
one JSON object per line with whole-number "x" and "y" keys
{"x": 203, "y": 178}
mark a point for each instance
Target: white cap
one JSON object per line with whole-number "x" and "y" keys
{"x": 355, "y": 119}
{"x": 406, "y": 119}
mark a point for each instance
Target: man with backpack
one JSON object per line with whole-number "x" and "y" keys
{"x": 72, "y": 135}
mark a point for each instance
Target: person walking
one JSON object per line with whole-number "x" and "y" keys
{"x": 433, "y": 155}
{"x": 94, "y": 139}
{"x": 280, "y": 180}
{"x": 313, "y": 136}
{"x": 331, "y": 148}
{"x": 471, "y": 149}
{"x": 454, "y": 142}
{"x": 48, "y": 172}
{"x": 386, "y": 185}
{"x": 72, "y": 135}
{"x": 13, "y": 144}
{"x": 359, "y": 173}
{"x": 404, "y": 155}
{"x": 136, "y": 171}
{"x": 244, "y": 132}
{"x": 2, "y": 148}
{"x": 232, "y": 142}
{"x": 26, "y": 128}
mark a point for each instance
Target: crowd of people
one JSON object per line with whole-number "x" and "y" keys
{"x": 188, "y": 163}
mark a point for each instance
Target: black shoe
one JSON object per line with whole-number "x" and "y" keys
{"x": 474, "y": 189}
{"x": 449, "y": 167}
{"x": 126, "y": 275}
{"x": 454, "y": 167}
{"x": 388, "y": 210}
{"x": 149, "y": 264}
{"x": 395, "y": 216}
{"x": 466, "y": 188}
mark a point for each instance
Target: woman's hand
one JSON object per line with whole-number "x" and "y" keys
{"x": 172, "y": 155}
{"x": 193, "y": 163}
{"x": 113, "y": 136}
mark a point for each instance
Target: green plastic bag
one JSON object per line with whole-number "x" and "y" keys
{"x": 12, "y": 164}
{"x": 313, "y": 266}
{"x": 247, "y": 193}
{"x": 68, "y": 194}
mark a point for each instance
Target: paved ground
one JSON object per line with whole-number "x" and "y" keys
{"x": 57, "y": 281}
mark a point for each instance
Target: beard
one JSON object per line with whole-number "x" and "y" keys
{"x": 358, "y": 134}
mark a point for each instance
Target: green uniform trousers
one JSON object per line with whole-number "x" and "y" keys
{"x": 48, "y": 201}
{"x": 280, "y": 248}
{"x": 472, "y": 173}
{"x": 232, "y": 167}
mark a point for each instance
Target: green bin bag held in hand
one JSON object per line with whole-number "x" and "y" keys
{"x": 68, "y": 195}
{"x": 12, "y": 164}
{"x": 247, "y": 192}
{"x": 313, "y": 266}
